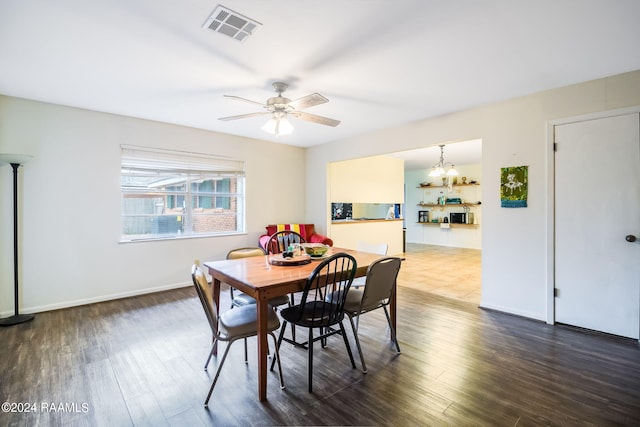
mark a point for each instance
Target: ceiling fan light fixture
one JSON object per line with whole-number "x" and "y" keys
{"x": 270, "y": 126}
{"x": 278, "y": 125}
{"x": 284, "y": 127}
{"x": 281, "y": 108}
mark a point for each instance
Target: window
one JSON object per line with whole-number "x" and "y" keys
{"x": 170, "y": 194}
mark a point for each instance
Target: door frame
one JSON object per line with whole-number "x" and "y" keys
{"x": 551, "y": 185}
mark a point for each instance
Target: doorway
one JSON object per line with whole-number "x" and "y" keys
{"x": 443, "y": 261}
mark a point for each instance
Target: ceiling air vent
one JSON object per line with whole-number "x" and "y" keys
{"x": 232, "y": 24}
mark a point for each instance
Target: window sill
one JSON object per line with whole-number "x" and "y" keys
{"x": 194, "y": 236}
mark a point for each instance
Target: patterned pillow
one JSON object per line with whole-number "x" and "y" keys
{"x": 305, "y": 230}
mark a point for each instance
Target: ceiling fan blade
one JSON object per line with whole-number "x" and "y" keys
{"x": 315, "y": 118}
{"x": 244, "y": 100}
{"x": 308, "y": 101}
{"x": 244, "y": 116}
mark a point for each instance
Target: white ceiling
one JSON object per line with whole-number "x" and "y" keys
{"x": 381, "y": 63}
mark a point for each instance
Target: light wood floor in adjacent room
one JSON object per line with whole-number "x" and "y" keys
{"x": 448, "y": 272}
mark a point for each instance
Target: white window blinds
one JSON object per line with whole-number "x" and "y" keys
{"x": 134, "y": 157}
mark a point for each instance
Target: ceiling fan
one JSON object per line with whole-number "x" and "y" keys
{"x": 280, "y": 107}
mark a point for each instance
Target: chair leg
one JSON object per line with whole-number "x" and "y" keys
{"x": 323, "y": 340}
{"x": 215, "y": 379}
{"x": 310, "y": 357}
{"x": 246, "y": 358}
{"x": 355, "y": 334}
{"x": 280, "y": 336}
{"x": 292, "y": 302}
{"x": 394, "y": 338}
{"x": 275, "y": 343}
{"x": 213, "y": 349}
{"x": 346, "y": 343}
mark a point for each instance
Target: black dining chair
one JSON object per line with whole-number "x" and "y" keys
{"x": 331, "y": 275}
{"x": 281, "y": 240}
{"x": 376, "y": 293}
{"x": 230, "y": 326}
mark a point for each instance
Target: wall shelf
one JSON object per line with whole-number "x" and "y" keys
{"x": 447, "y": 205}
{"x": 451, "y": 224}
{"x": 457, "y": 192}
{"x": 426, "y": 187}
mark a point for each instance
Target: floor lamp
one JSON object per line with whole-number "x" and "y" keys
{"x": 15, "y": 160}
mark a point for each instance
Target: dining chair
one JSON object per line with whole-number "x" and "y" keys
{"x": 230, "y": 326}
{"x": 238, "y": 298}
{"x": 313, "y": 312}
{"x": 281, "y": 240}
{"x": 380, "y": 283}
{"x": 374, "y": 248}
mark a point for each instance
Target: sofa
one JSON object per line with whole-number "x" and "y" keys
{"x": 307, "y": 231}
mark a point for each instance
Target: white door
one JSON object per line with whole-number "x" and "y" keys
{"x": 597, "y": 200}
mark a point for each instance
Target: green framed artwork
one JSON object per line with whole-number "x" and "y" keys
{"x": 514, "y": 183}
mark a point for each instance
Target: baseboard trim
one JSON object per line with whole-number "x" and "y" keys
{"x": 75, "y": 303}
{"x": 508, "y": 310}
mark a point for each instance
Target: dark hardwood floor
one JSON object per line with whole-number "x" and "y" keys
{"x": 138, "y": 361}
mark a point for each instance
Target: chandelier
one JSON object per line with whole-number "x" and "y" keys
{"x": 441, "y": 168}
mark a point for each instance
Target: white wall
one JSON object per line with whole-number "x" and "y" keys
{"x": 70, "y": 204}
{"x": 513, "y": 133}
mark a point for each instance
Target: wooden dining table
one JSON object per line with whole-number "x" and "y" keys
{"x": 258, "y": 278}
